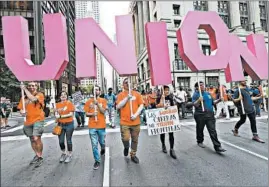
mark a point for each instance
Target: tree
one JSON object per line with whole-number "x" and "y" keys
{"x": 9, "y": 85}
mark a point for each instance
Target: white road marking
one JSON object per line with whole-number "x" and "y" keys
{"x": 106, "y": 168}
{"x": 244, "y": 150}
{"x": 21, "y": 126}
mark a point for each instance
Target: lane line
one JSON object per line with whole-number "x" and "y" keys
{"x": 244, "y": 150}
{"x": 21, "y": 126}
{"x": 106, "y": 168}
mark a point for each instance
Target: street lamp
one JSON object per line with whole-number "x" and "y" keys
{"x": 252, "y": 24}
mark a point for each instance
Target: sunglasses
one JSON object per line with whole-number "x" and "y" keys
{"x": 30, "y": 85}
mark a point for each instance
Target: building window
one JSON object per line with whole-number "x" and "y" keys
{"x": 177, "y": 23}
{"x": 178, "y": 64}
{"x": 263, "y": 15}
{"x": 245, "y": 23}
{"x": 176, "y": 9}
{"x": 183, "y": 82}
{"x": 226, "y": 19}
{"x": 243, "y": 8}
{"x": 223, "y": 9}
{"x": 264, "y": 25}
{"x": 206, "y": 50}
{"x": 200, "y": 5}
{"x": 148, "y": 68}
{"x": 213, "y": 81}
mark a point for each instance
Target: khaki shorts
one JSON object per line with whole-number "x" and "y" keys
{"x": 36, "y": 129}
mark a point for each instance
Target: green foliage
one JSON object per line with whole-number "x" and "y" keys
{"x": 9, "y": 85}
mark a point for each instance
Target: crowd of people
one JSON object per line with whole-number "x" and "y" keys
{"x": 131, "y": 105}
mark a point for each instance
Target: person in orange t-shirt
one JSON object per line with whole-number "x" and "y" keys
{"x": 130, "y": 123}
{"x": 224, "y": 104}
{"x": 64, "y": 114}
{"x": 95, "y": 109}
{"x": 34, "y": 123}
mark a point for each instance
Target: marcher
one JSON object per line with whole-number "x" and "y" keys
{"x": 34, "y": 124}
{"x": 180, "y": 96}
{"x": 5, "y": 112}
{"x": 205, "y": 117}
{"x": 255, "y": 92}
{"x": 130, "y": 124}
{"x": 224, "y": 102}
{"x": 249, "y": 110}
{"x": 64, "y": 115}
{"x": 97, "y": 124}
{"x": 80, "y": 114}
{"x": 168, "y": 98}
{"x": 111, "y": 99}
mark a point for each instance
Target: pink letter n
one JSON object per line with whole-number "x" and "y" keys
{"x": 89, "y": 35}
{"x": 17, "y": 48}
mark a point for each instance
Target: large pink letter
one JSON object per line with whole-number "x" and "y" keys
{"x": 254, "y": 58}
{"x": 188, "y": 42}
{"x": 121, "y": 56}
{"x": 17, "y": 48}
{"x": 158, "y": 53}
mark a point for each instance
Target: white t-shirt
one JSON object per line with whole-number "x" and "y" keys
{"x": 181, "y": 94}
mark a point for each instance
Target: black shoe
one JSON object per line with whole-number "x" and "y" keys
{"x": 164, "y": 148}
{"x": 8, "y": 126}
{"x": 78, "y": 126}
{"x": 126, "y": 151}
{"x": 82, "y": 125}
{"x": 39, "y": 162}
{"x": 173, "y": 154}
{"x": 135, "y": 159}
{"x": 35, "y": 159}
{"x": 96, "y": 165}
{"x": 220, "y": 150}
{"x": 201, "y": 145}
{"x": 102, "y": 152}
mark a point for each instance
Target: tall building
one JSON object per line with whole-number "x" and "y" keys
{"x": 94, "y": 12}
{"x": 33, "y": 11}
{"x": 238, "y": 15}
{"x": 81, "y": 9}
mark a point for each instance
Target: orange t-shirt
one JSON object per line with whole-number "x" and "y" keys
{"x": 152, "y": 100}
{"x": 146, "y": 100}
{"x": 212, "y": 93}
{"x": 65, "y": 108}
{"x": 34, "y": 110}
{"x": 100, "y": 123}
{"x": 224, "y": 94}
{"x": 125, "y": 112}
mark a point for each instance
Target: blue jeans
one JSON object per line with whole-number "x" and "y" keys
{"x": 67, "y": 129}
{"x": 97, "y": 135}
{"x": 257, "y": 106}
{"x": 80, "y": 116}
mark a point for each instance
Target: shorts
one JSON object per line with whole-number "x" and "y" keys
{"x": 36, "y": 129}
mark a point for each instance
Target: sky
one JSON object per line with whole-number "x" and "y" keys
{"x": 108, "y": 11}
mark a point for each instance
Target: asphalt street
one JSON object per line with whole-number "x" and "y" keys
{"x": 244, "y": 164}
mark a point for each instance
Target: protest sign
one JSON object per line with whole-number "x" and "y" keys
{"x": 77, "y": 98}
{"x": 161, "y": 121}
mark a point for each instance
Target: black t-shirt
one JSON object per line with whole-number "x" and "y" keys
{"x": 168, "y": 100}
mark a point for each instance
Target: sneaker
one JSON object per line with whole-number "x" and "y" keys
{"x": 39, "y": 162}
{"x": 96, "y": 165}
{"x": 201, "y": 145}
{"x": 63, "y": 157}
{"x": 173, "y": 154}
{"x": 219, "y": 150}
{"x": 68, "y": 159}
{"x": 126, "y": 151}
{"x": 164, "y": 149}
{"x": 257, "y": 139}
{"x": 8, "y": 126}
{"x": 102, "y": 152}
{"x": 34, "y": 160}
{"x": 82, "y": 125}
{"x": 235, "y": 131}
{"x": 135, "y": 159}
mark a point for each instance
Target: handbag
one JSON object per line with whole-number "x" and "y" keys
{"x": 57, "y": 130}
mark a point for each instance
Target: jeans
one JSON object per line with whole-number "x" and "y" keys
{"x": 257, "y": 106}
{"x": 80, "y": 116}
{"x": 110, "y": 114}
{"x": 67, "y": 130}
{"x": 182, "y": 106}
{"x": 209, "y": 120}
{"x": 126, "y": 132}
{"x": 252, "y": 119}
{"x": 97, "y": 135}
{"x": 171, "y": 139}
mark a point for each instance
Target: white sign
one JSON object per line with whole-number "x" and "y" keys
{"x": 77, "y": 98}
{"x": 161, "y": 121}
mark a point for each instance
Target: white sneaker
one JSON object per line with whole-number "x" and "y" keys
{"x": 63, "y": 157}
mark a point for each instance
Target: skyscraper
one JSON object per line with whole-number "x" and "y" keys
{"x": 82, "y": 9}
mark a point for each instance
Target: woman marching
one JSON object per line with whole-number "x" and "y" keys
{"x": 64, "y": 115}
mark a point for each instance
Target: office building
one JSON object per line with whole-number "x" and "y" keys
{"x": 81, "y": 9}
{"x": 238, "y": 15}
{"x": 33, "y": 11}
